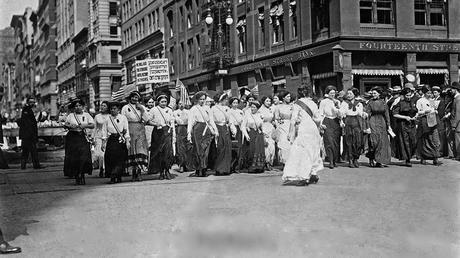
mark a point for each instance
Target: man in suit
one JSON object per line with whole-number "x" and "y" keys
{"x": 28, "y": 133}
{"x": 455, "y": 118}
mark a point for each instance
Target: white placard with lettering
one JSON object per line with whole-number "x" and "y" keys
{"x": 152, "y": 71}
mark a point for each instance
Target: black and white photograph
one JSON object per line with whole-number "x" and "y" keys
{"x": 230, "y": 128}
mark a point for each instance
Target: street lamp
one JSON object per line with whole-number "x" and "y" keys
{"x": 220, "y": 4}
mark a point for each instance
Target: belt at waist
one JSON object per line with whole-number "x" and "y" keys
{"x": 182, "y": 125}
{"x": 221, "y": 123}
{"x": 331, "y": 117}
{"x": 134, "y": 122}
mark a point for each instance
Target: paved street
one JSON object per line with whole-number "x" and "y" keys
{"x": 392, "y": 212}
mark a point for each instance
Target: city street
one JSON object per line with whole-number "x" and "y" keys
{"x": 366, "y": 212}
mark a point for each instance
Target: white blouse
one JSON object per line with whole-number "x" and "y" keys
{"x": 199, "y": 114}
{"x": 423, "y": 105}
{"x": 267, "y": 114}
{"x": 283, "y": 111}
{"x": 161, "y": 117}
{"x": 346, "y": 111}
{"x": 219, "y": 114}
{"x": 181, "y": 116}
{"x": 83, "y": 119}
{"x": 122, "y": 125}
{"x": 251, "y": 121}
{"x": 328, "y": 109}
{"x": 133, "y": 114}
{"x": 100, "y": 120}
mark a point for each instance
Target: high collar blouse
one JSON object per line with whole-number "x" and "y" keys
{"x": 83, "y": 119}
{"x": 181, "y": 116}
{"x": 327, "y": 108}
{"x": 134, "y": 114}
{"x": 121, "y": 122}
{"x": 161, "y": 117}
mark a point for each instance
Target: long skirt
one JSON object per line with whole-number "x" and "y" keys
{"x": 282, "y": 132}
{"x": 353, "y": 138}
{"x": 201, "y": 138}
{"x": 379, "y": 142}
{"x": 184, "y": 148}
{"x": 3, "y": 162}
{"x": 267, "y": 129}
{"x": 137, "y": 153}
{"x": 148, "y": 135}
{"x": 428, "y": 140}
{"x": 254, "y": 159}
{"x": 331, "y": 138}
{"x": 161, "y": 152}
{"x": 305, "y": 157}
{"x": 223, "y": 158}
{"x": 77, "y": 158}
{"x": 237, "y": 150}
{"x": 99, "y": 156}
{"x": 405, "y": 140}
{"x": 115, "y": 156}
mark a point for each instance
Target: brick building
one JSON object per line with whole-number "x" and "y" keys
{"x": 142, "y": 37}
{"x": 284, "y": 44}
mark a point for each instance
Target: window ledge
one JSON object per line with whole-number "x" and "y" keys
{"x": 377, "y": 26}
{"x": 434, "y": 27}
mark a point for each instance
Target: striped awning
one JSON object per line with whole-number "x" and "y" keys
{"x": 388, "y": 72}
{"x": 323, "y": 75}
{"x": 432, "y": 71}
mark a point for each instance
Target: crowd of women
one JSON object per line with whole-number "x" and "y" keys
{"x": 233, "y": 135}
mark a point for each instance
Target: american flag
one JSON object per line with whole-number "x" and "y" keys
{"x": 183, "y": 92}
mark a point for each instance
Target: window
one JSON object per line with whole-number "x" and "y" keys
{"x": 157, "y": 18}
{"x": 114, "y": 56}
{"x": 171, "y": 24}
{"x": 113, "y": 31}
{"x": 198, "y": 50}
{"x": 376, "y": 11}
{"x": 113, "y": 9}
{"x": 116, "y": 83}
{"x": 191, "y": 54}
{"x": 277, "y": 21}
{"x": 182, "y": 19}
{"x": 171, "y": 60}
{"x": 197, "y": 11}
{"x": 293, "y": 18}
{"x": 242, "y": 35}
{"x": 430, "y": 12}
{"x": 261, "y": 27}
{"x": 154, "y": 24}
{"x": 182, "y": 56}
{"x": 320, "y": 15}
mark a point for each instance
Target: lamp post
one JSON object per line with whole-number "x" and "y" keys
{"x": 220, "y": 5}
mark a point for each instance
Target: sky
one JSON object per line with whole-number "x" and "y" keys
{"x": 10, "y": 7}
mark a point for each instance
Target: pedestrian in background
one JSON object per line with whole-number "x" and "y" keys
{"x": 254, "y": 160}
{"x": 184, "y": 148}
{"x": 330, "y": 113}
{"x": 116, "y": 143}
{"x": 77, "y": 161}
{"x": 455, "y": 118}
{"x": 99, "y": 120}
{"x": 28, "y": 133}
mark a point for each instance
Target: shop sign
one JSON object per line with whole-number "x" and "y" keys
{"x": 402, "y": 46}
{"x": 152, "y": 71}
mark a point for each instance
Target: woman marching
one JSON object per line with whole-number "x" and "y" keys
{"x": 183, "y": 147}
{"x": 427, "y": 130}
{"x": 405, "y": 112}
{"x": 116, "y": 143}
{"x": 99, "y": 120}
{"x": 283, "y": 113}
{"x": 266, "y": 111}
{"x": 161, "y": 150}
{"x": 200, "y": 132}
{"x": 219, "y": 116}
{"x": 352, "y": 111}
{"x": 304, "y": 161}
{"x": 137, "y": 116}
{"x": 254, "y": 160}
{"x": 77, "y": 161}
{"x": 235, "y": 117}
{"x": 379, "y": 152}
{"x": 329, "y": 111}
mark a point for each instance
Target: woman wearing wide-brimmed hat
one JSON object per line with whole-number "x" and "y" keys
{"x": 161, "y": 149}
{"x": 137, "y": 118}
{"x": 116, "y": 143}
{"x": 77, "y": 161}
{"x": 200, "y": 131}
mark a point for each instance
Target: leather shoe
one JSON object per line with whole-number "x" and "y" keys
{"x": 6, "y": 248}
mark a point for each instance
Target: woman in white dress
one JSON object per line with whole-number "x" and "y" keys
{"x": 99, "y": 120}
{"x": 304, "y": 160}
{"x": 266, "y": 111}
{"x": 283, "y": 113}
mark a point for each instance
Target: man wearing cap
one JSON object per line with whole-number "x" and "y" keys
{"x": 455, "y": 118}
{"x": 28, "y": 132}
{"x": 137, "y": 117}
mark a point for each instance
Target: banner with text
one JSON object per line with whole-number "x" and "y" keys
{"x": 152, "y": 71}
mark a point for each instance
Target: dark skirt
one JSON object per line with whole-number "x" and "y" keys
{"x": 184, "y": 148}
{"x": 201, "y": 144}
{"x": 77, "y": 158}
{"x": 353, "y": 138}
{"x": 223, "y": 158}
{"x": 237, "y": 150}
{"x": 161, "y": 152}
{"x": 331, "y": 138}
{"x": 379, "y": 143}
{"x": 405, "y": 140}
{"x": 428, "y": 140}
{"x": 3, "y": 162}
{"x": 253, "y": 160}
{"x": 115, "y": 157}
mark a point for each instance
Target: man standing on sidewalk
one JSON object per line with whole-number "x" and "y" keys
{"x": 28, "y": 133}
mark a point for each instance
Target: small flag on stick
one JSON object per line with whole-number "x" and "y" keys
{"x": 183, "y": 93}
